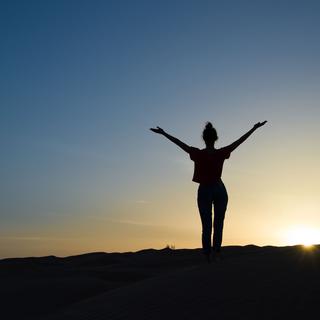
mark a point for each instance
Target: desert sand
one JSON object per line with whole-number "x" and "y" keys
{"x": 250, "y": 282}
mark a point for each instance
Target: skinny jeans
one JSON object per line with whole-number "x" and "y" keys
{"x": 209, "y": 195}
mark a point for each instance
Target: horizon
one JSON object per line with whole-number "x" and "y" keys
{"x": 82, "y": 83}
{"x": 302, "y": 248}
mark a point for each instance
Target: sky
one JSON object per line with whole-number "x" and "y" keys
{"x": 83, "y": 81}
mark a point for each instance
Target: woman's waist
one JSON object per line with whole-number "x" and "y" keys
{"x": 217, "y": 181}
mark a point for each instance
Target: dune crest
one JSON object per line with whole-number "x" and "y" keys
{"x": 249, "y": 283}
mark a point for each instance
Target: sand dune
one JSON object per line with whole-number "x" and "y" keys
{"x": 249, "y": 283}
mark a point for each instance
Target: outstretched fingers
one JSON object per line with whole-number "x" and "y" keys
{"x": 157, "y": 130}
{"x": 260, "y": 124}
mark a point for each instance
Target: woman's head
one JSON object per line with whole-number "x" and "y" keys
{"x": 209, "y": 135}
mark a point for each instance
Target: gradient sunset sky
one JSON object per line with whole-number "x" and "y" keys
{"x": 83, "y": 81}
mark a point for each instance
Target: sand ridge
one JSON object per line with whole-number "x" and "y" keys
{"x": 249, "y": 283}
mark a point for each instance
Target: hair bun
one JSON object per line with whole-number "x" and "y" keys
{"x": 209, "y": 125}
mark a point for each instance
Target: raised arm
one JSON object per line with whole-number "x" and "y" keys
{"x": 179, "y": 143}
{"x": 236, "y": 144}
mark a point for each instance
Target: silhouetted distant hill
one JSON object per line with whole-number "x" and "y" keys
{"x": 250, "y": 282}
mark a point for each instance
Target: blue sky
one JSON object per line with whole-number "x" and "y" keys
{"x": 82, "y": 81}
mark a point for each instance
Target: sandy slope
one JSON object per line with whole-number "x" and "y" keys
{"x": 250, "y": 283}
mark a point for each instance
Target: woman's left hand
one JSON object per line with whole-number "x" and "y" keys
{"x": 259, "y": 124}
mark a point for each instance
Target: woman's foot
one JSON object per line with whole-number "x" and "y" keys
{"x": 208, "y": 257}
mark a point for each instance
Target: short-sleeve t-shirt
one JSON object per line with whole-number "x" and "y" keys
{"x": 208, "y": 164}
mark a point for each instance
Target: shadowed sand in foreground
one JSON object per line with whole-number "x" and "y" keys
{"x": 249, "y": 283}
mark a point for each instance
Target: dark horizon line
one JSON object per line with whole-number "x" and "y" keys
{"x": 166, "y": 248}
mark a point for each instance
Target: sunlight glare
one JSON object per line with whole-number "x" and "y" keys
{"x": 305, "y": 236}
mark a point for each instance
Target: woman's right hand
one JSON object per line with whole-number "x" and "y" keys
{"x": 259, "y": 124}
{"x": 157, "y": 130}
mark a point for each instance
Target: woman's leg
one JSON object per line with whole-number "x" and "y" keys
{"x": 220, "y": 206}
{"x": 205, "y": 209}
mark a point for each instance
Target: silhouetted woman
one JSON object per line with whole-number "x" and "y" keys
{"x": 208, "y": 164}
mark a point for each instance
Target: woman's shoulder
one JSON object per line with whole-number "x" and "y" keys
{"x": 194, "y": 153}
{"x": 225, "y": 152}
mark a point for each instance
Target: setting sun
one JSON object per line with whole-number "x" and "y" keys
{"x": 305, "y": 236}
